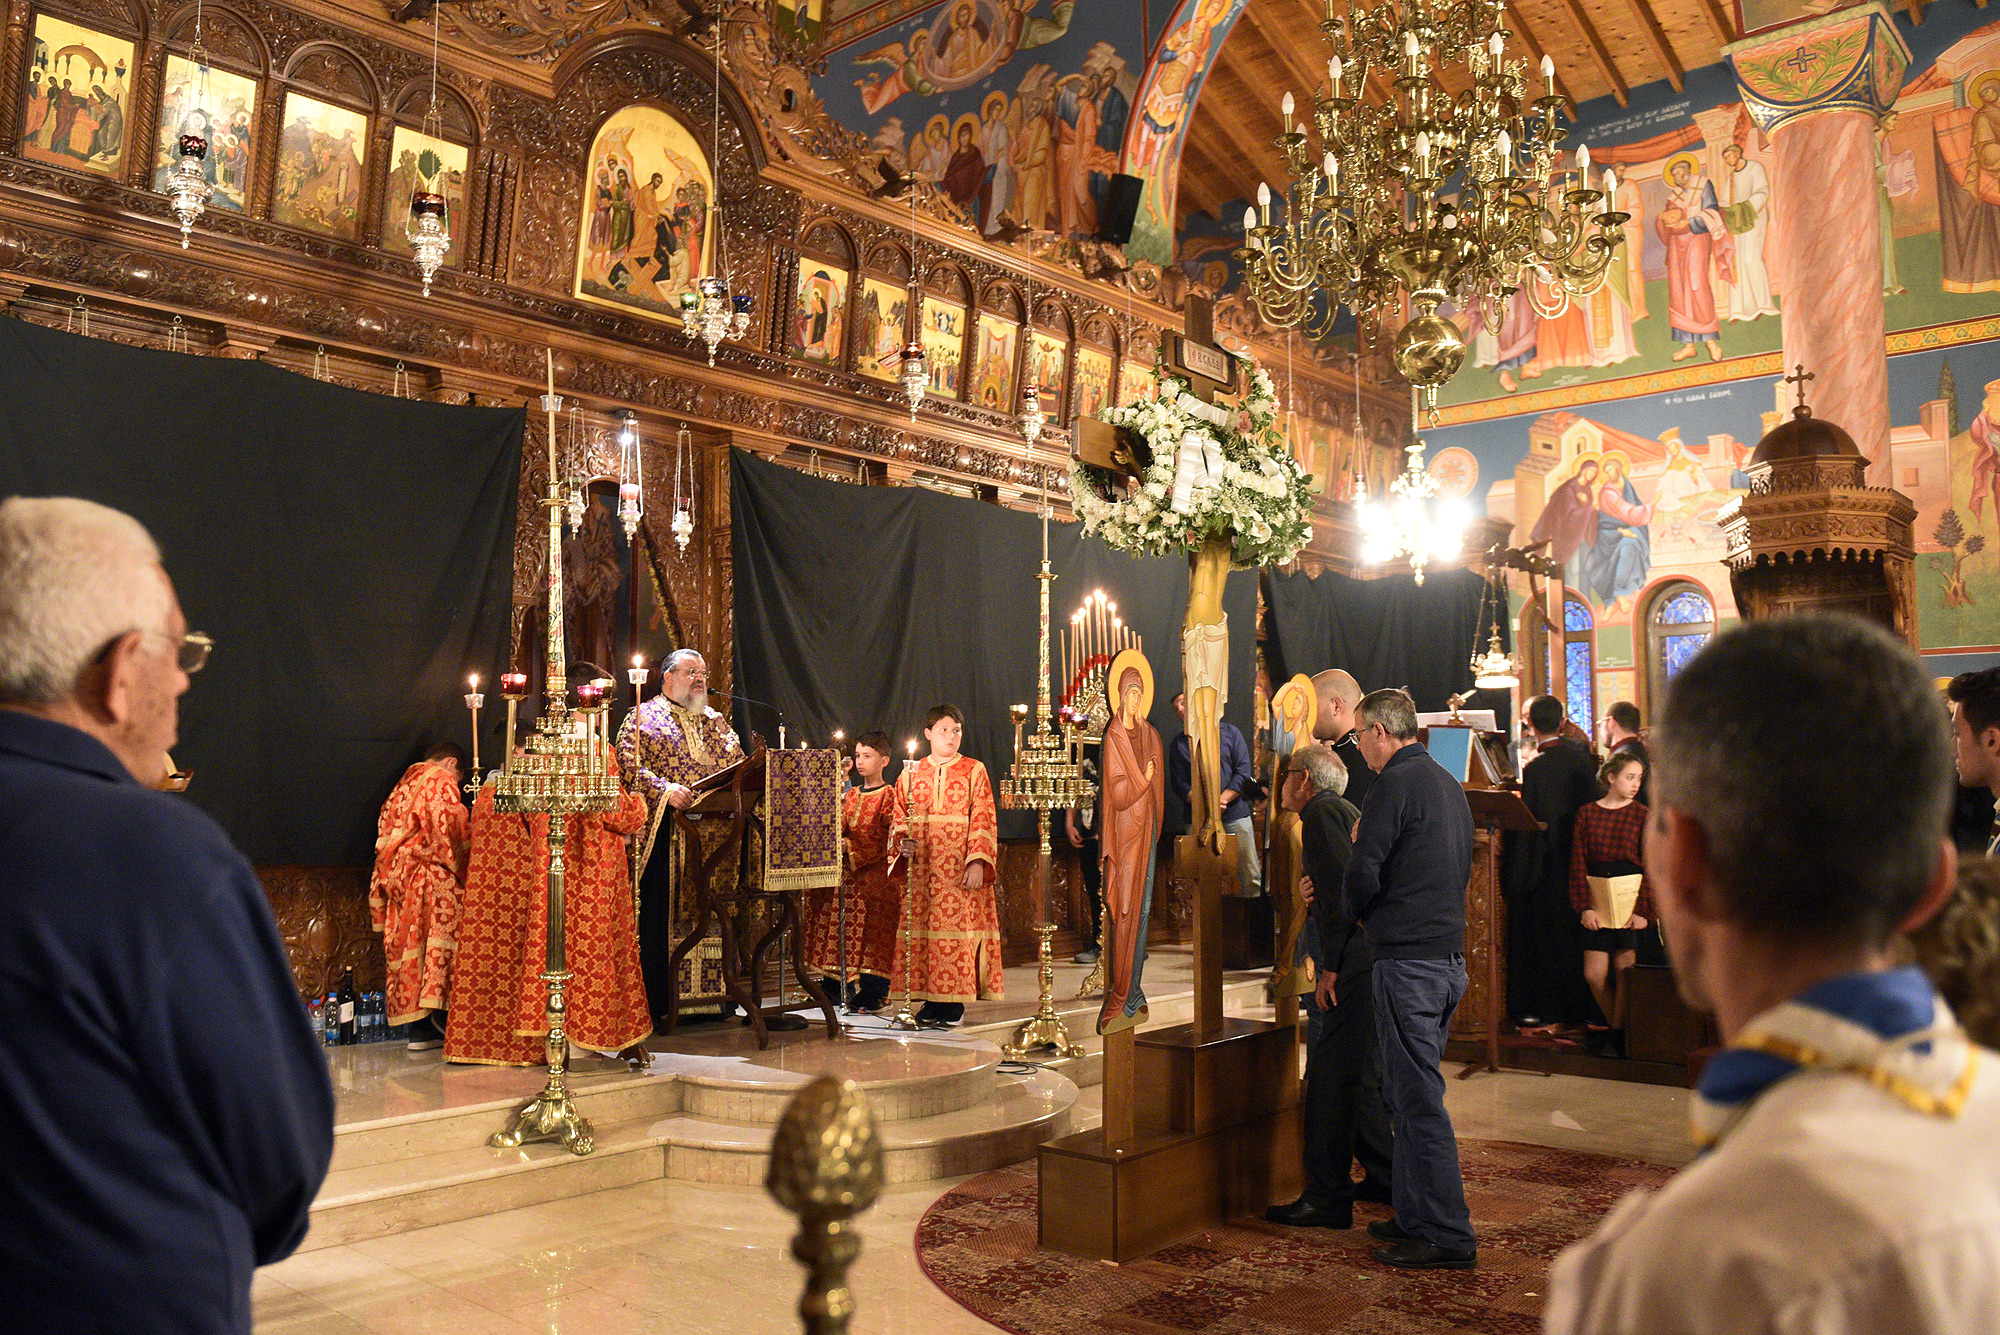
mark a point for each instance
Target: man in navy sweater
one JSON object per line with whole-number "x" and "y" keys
{"x": 168, "y": 1112}
{"x": 1406, "y": 886}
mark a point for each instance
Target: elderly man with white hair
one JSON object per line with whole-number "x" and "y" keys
{"x": 168, "y": 1109}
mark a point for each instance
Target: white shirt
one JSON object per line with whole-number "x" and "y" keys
{"x": 1831, "y": 1209}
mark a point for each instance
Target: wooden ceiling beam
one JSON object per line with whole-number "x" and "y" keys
{"x": 1305, "y": 79}
{"x": 1600, "y": 55}
{"x": 1197, "y": 190}
{"x": 1724, "y": 23}
{"x": 1242, "y": 135}
{"x": 1535, "y": 50}
{"x": 1656, "y": 37}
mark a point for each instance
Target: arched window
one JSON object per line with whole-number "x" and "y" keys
{"x": 1579, "y": 663}
{"x": 1679, "y": 621}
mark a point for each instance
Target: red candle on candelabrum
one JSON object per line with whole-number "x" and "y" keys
{"x": 514, "y": 684}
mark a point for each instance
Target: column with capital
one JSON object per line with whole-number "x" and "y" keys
{"x": 1819, "y": 89}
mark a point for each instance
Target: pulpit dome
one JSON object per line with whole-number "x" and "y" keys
{"x": 1803, "y": 436}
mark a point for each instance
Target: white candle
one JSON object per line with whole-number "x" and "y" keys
{"x": 1583, "y": 165}
{"x": 1285, "y": 105}
{"x": 1264, "y": 201}
{"x": 1333, "y": 72}
{"x": 1549, "y": 73}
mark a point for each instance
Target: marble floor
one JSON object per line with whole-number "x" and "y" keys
{"x": 665, "y": 1255}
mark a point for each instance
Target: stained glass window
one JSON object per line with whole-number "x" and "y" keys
{"x": 1579, "y": 661}
{"x": 1684, "y": 608}
{"x": 1682, "y": 620}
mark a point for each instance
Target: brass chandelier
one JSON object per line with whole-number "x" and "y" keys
{"x": 1426, "y": 198}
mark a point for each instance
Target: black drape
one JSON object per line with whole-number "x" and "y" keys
{"x": 1387, "y": 632}
{"x": 351, "y": 554}
{"x": 861, "y": 607}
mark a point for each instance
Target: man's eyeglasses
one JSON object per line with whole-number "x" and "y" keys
{"x": 193, "y": 651}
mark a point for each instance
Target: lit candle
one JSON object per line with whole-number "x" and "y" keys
{"x": 1549, "y": 73}
{"x": 1285, "y": 105}
{"x": 473, "y": 700}
{"x": 637, "y": 674}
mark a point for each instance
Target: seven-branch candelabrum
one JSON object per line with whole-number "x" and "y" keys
{"x": 1364, "y": 223}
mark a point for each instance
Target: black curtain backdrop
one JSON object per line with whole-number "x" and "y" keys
{"x": 861, "y": 607}
{"x": 351, "y": 553}
{"x": 1387, "y": 632}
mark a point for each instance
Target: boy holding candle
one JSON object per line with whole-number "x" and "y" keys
{"x": 954, "y": 851}
{"x": 871, "y": 889}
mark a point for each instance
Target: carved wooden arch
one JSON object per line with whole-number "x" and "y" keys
{"x": 1003, "y": 299}
{"x": 681, "y": 58}
{"x": 889, "y": 259}
{"x": 825, "y": 239}
{"x": 123, "y": 18}
{"x": 232, "y": 41}
{"x": 311, "y": 62}
{"x": 1052, "y": 314}
{"x": 458, "y": 121}
{"x": 948, "y": 280}
{"x": 1101, "y": 331}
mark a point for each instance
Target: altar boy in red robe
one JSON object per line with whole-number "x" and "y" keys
{"x": 954, "y": 852}
{"x": 872, "y": 876}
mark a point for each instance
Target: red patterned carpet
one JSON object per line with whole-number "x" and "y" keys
{"x": 977, "y": 1243}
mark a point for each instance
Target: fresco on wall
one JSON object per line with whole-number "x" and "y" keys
{"x": 1166, "y": 102}
{"x": 642, "y": 237}
{"x": 225, "y": 118}
{"x": 322, "y": 154}
{"x": 79, "y": 94}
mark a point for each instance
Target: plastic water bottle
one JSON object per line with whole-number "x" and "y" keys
{"x": 378, "y": 1017}
{"x": 316, "y": 1015}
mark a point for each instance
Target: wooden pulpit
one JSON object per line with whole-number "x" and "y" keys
{"x": 734, "y": 794}
{"x": 1493, "y": 810}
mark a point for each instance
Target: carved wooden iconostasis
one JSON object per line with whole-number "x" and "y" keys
{"x": 315, "y": 112}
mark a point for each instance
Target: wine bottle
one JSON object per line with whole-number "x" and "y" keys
{"x": 348, "y": 1030}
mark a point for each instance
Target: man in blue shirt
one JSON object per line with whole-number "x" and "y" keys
{"x": 1406, "y": 886}
{"x": 1236, "y": 775}
{"x": 168, "y": 1109}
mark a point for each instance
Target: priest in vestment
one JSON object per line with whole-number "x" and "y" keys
{"x": 499, "y": 1009}
{"x": 954, "y": 847}
{"x": 665, "y": 746}
{"x": 873, "y": 872}
{"x": 415, "y": 891}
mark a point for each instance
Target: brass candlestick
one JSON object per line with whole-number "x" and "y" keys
{"x": 826, "y": 1167}
{"x": 559, "y": 772}
{"x": 475, "y": 699}
{"x": 1046, "y": 777}
{"x": 1093, "y": 982}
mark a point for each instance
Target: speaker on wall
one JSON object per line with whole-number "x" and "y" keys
{"x": 1121, "y": 206}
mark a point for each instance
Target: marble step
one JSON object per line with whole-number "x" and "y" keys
{"x": 395, "y": 1196}
{"x": 1021, "y": 1112}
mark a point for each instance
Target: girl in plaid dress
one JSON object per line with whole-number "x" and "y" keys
{"x": 1608, "y": 845}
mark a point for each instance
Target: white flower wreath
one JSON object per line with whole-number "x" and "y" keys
{"x": 1214, "y": 470}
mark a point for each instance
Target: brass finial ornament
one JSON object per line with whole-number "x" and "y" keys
{"x": 826, "y": 1167}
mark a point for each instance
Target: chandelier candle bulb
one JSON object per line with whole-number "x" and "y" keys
{"x": 1549, "y": 73}
{"x": 1286, "y": 105}
{"x": 1495, "y": 45}
{"x": 1264, "y": 201}
{"x": 1333, "y": 72}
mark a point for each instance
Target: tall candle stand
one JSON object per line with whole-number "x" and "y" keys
{"x": 905, "y": 1018}
{"x": 474, "y": 700}
{"x": 1047, "y": 777}
{"x": 558, "y": 771}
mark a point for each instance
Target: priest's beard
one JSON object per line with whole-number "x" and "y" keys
{"x": 695, "y": 701}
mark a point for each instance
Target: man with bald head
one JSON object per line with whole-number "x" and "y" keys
{"x": 1338, "y": 694}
